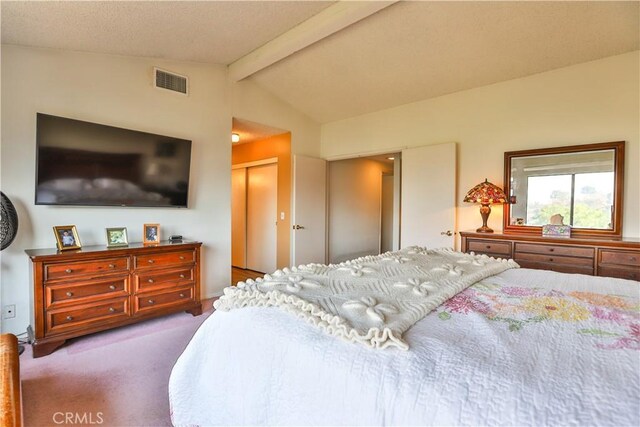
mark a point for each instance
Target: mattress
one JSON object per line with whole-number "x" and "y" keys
{"x": 524, "y": 347}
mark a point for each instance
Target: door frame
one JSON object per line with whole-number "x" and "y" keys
{"x": 255, "y": 163}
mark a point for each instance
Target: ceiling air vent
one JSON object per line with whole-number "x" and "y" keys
{"x": 171, "y": 81}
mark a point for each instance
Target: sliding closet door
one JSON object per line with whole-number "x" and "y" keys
{"x": 262, "y": 194}
{"x": 239, "y": 217}
{"x": 428, "y": 204}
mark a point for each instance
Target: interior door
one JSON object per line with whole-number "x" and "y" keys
{"x": 386, "y": 214}
{"x": 308, "y": 213}
{"x": 239, "y": 217}
{"x": 262, "y": 196}
{"x": 428, "y": 213}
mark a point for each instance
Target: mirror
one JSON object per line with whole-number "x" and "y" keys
{"x": 582, "y": 183}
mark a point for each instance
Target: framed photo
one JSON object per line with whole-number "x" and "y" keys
{"x": 151, "y": 234}
{"x": 66, "y": 237}
{"x": 116, "y": 237}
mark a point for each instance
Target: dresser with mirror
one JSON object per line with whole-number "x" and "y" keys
{"x": 584, "y": 186}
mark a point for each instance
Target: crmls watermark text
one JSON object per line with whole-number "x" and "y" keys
{"x": 78, "y": 418}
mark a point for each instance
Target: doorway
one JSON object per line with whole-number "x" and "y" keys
{"x": 364, "y": 206}
{"x": 260, "y": 199}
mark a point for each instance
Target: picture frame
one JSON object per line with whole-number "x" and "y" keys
{"x": 67, "y": 237}
{"x": 151, "y": 234}
{"x": 117, "y": 237}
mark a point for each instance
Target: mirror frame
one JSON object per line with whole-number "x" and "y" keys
{"x": 618, "y": 192}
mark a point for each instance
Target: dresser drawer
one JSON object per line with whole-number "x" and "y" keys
{"x": 560, "y": 268}
{"x": 152, "y": 301}
{"x": 489, "y": 247}
{"x": 78, "y": 292}
{"x": 620, "y": 257}
{"x": 165, "y": 259}
{"x": 85, "y": 268}
{"x": 148, "y": 280}
{"x": 565, "y": 260}
{"x": 554, "y": 250}
{"x": 620, "y": 273}
{"x": 82, "y": 316}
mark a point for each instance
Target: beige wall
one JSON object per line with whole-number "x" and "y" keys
{"x": 586, "y": 103}
{"x": 355, "y": 190}
{"x": 251, "y": 102}
{"x": 117, "y": 90}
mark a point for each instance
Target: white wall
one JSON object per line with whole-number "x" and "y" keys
{"x": 586, "y": 103}
{"x": 118, "y": 91}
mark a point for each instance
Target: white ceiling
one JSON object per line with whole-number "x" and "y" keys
{"x": 406, "y": 52}
{"x": 417, "y": 50}
{"x": 205, "y": 31}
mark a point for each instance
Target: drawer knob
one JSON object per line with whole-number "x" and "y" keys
{"x": 182, "y": 276}
{"x": 112, "y": 266}
{"x": 150, "y": 280}
{"x": 181, "y": 256}
{"x": 488, "y": 246}
{"x": 550, "y": 259}
{"x": 151, "y": 261}
{"x": 112, "y": 287}
{"x": 69, "y": 318}
{"x": 550, "y": 249}
{"x": 181, "y": 295}
{"x": 112, "y": 310}
{"x": 69, "y": 294}
{"x": 151, "y": 301}
{"x": 68, "y": 270}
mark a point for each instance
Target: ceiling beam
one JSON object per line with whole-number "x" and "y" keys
{"x": 329, "y": 21}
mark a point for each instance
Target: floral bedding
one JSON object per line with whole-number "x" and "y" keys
{"x": 612, "y": 321}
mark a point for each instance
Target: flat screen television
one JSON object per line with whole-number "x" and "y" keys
{"x": 89, "y": 164}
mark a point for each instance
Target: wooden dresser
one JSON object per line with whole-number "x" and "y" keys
{"x": 600, "y": 257}
{"x": 75, "y": 293}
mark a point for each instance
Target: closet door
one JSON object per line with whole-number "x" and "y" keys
{"x": 428, "y": 212}
{"x": 239, "y": 217}
{"x": 262, "y": 193}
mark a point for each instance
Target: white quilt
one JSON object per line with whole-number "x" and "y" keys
{"x": 372, "y": 300}
{"x": 525, "y": 347}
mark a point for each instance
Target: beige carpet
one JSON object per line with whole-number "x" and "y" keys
{"x": 113, "y": 378}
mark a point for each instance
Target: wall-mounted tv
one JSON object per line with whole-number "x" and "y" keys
{"x": 89, "y": 164}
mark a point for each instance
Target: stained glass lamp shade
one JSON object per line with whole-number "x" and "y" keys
{"x": 486, "y": 194}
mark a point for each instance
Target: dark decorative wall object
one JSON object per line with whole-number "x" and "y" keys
{"x": 8, "y": 222}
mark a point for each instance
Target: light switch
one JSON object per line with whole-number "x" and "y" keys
{"x": 281, "y": 216}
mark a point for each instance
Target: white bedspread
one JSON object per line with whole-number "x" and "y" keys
{"x": 524, "y": 347}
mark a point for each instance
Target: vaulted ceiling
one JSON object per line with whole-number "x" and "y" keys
{"x": 334, "y": 60}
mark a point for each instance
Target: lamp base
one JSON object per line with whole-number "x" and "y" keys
{"x": 485, "y": 210}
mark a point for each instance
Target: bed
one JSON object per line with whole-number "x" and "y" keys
{"x": 521, "y": 347}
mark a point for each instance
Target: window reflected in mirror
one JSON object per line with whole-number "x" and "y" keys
{"x": 580, "y": 186}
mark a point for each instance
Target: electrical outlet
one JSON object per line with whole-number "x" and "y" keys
{"x": 9, "y": 311}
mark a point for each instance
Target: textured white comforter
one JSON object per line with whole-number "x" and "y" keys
{"x": 524, "y": 347}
